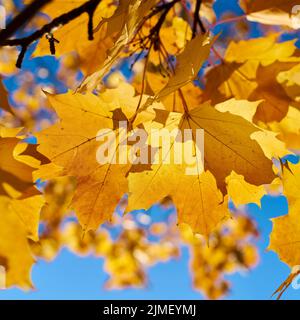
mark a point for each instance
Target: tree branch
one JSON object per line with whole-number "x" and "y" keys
{"x": 88, "y": 7}
{"x": 197, "y": 19}
{"x": 153, "y": 36}
{"x": 22, "y": 18}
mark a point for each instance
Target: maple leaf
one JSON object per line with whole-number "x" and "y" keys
{"x": 291, "y": 182}
{"x": 287, "y": 244}
{"x": 16, "y": 176}
{"x": 99, "y": 186}
{"x": 227, "y": 147}
{"x": 288, "y": 129}
{"x": 290, "y": 81}
{"x": 15, "y": 255}
{"x": 271, "y": 145}
{"x": 241, "y": 192}
{"x": 18, "y": 162}
{"x": 249, "y": 71}
{"x": 275, "y": 107}
{"x": 253, "y": 82}
{"x": 20, "y": 207}
{"x": 276, "y": 12}
{"x": 265, "y": 50}
{"x": 199, "y": 202}
{"x": 28, "y": 211}
{"x": 234, "y": 106}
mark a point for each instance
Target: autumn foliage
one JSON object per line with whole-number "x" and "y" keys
{"x": 153, "y": 64}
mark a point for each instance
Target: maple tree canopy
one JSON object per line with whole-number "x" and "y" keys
{"x": 73, "y": 71}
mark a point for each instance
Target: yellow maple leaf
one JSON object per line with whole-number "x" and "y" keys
{"x": 199, "y": 202}
{"x": 265, "y": 50}
{"x": 241, "y": 192}
{"x": 274, "y": 12}
{"x": 288, "y": 129}
{"x": 290, "y": 81}
{"x": 227, "y": 147}
{"x": 287, "y": 243}
{"x": 251, "y": 81}
{"x": 284, "y": 238}
{"x": 15, "y": 255}
{"x": 249, "y": 71}
{"x": 28, "y": 211}
{"x": 99, "y": 186}
{"x": 16, "y": 177}
{"x": 291, "y": 182}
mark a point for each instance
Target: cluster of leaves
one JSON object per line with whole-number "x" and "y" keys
{"x": 140, "y": 242}
{"x": 244, "y": 94}
{"x": 230, "y": 249}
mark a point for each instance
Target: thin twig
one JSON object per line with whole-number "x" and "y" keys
{"x": 197, "y": 19}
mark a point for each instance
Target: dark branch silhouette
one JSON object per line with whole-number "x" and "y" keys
{"x": 22, "y": 18}
{"x": 197, "y": 20}
{"x": 88, "y": 7}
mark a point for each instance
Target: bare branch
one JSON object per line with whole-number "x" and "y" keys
{"x": 21, "y": 19}
{"x": 88, "y": 7}
{"x": 197, "y": 19}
